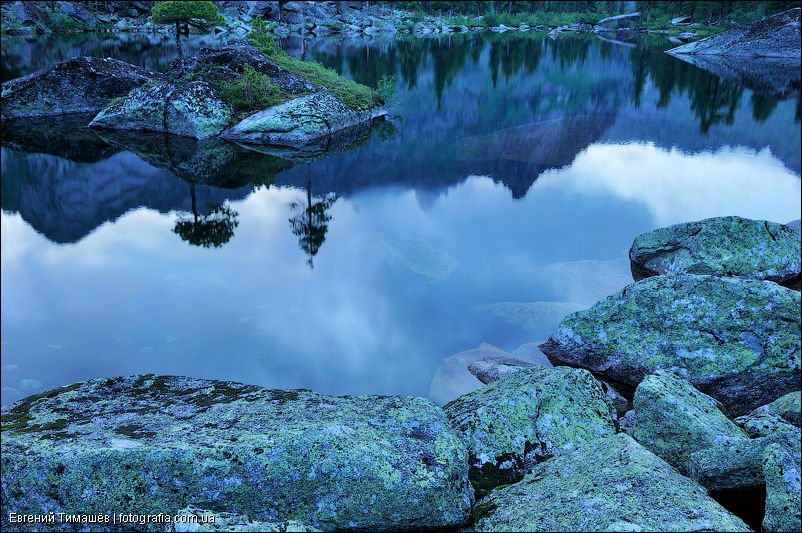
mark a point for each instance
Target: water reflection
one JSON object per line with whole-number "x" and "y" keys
{"x": 311, "y": 221}
{"x": 505, "y": 194}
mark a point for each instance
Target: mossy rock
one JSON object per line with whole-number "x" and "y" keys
{"x": 76, "y": 85}
{"x": 781, "y": 471}
{"x": 723, "y": 246}
{"x": 301, "y": 120}
{"x": 673, "y": 419}
{"x": 611, "y": 484}
{"x": 191, "y": 109}
{"x": 135, "y": 443}
{"x": 528, "y": 417}
{"x": 736, "y": 340}
{"x": 202, "y": 520}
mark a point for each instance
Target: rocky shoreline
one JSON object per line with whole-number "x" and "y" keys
{"x": 309, "y": 19}
{"x": 704, "y": 354}
{"x": 193, "y": 99}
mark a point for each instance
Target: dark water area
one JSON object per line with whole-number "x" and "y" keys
{"x": 502, "y": 193}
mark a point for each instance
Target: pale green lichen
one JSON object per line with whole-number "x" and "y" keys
{"x": 190, "y": 109}
{"x": 529, "y": 416}
{"x": 612, "y": 484}
{"x": 736, "y": 463}
{"x": 300, "y": 120}
{"x": 156, "y": 442}
{"x": 783, "y": 502}
{"x": 736, "y": 340}
{"x": 673, "y": 419}
{"x": 724, "y": 246}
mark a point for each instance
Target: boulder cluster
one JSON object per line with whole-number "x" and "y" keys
{"x": 674, "y": 405}
{"x": 189, "y": 100}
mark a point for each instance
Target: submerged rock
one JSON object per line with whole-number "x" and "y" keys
{"x": 723, "y": 246}
{"x": 301, "y": 120}
{"x": 674, "y": 419}
{"x": 736, "y": 463}
{"x": 611, "y": 484}
{"x": 736, "y": 340}
{"x": 783, "y": 496}
{"x": 452, "y": 378}
{"x": 190, "y": 109}
{"x": 526, "y": 417}
{"x": 77, "y": 85}
{"x": 492, "y": 369}
{"x": 359, "y": 462}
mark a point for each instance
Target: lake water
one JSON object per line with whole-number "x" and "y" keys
{"x": 503, "y": 193}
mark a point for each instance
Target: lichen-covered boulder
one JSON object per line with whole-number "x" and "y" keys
{"x": 492, "y": 369}
{"x": 612, "y": 484}
{"x": 300, "y": 120}
{"x": 736, "y": 340}
{"x": 191, "y": 109}
{"x": 736, "y": 463}
{"x": 674, "y": 419}
{"x": 783, "y": 502}
{"x": 77, "y": 85}
{"x": 723, "y": 246}
{"x": 165, "y": 443}
{"x": 526, "y": 417}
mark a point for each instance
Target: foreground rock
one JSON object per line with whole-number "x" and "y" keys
{"x": 673, "y": 419}
{"x": 613, "y": 484}
{"x": 360, "y": 462}
{"x": 775, "y": 36}
{"x": 733, "y": 339}
{"x": 723, "y": 246}
{"x": 77, "y": 85}
{"x": 492, "y": 369}
{"x": 783, "y": 496}
{"x": 737, "y": 463}
{"x": 527, "y": 417}
{"x": 301, "y": 120}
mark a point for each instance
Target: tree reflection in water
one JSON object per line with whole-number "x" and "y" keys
{"x": 310, "y": 222}
{"x": 211, "y": 230}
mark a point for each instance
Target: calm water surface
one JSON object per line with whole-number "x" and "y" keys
{"x": 503, "y": 193}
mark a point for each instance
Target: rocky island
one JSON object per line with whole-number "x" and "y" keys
{"x": 237, "y": 91}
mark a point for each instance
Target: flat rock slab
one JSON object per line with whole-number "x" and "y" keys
{"x": 612, "y": 484}
{"x": 673, "y": 419}
{"x": 77, "y": 85}
{"x": 167, "y": 443}
{"x": 723, "y": 246}
{"x": 300, "y": 120}
{"x": 526, "y": 417}
{"x": 733, "y": 339}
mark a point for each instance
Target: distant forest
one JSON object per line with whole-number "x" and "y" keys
{"x": 703, "y": 12}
